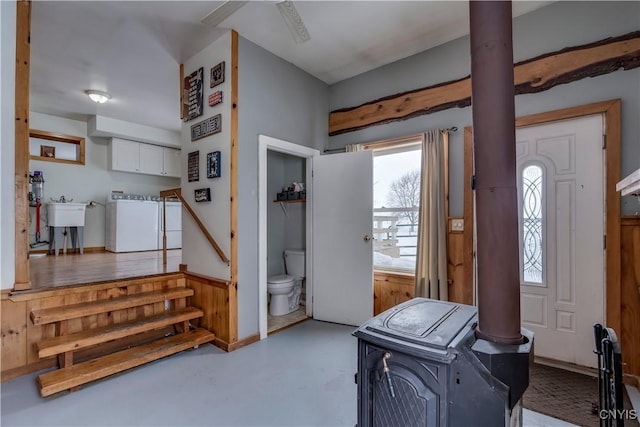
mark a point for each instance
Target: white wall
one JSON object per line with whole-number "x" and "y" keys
{"x": 7, "y": 146}
{"x": 279, "y": 100}
{"x": 197, "y": 253}
{"x": 91, "y": 181}
{"x": 554, "y": 27}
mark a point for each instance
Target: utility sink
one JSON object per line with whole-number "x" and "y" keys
{"x": 65, "y": 214}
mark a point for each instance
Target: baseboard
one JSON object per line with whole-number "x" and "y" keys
{"x": 631, "y": 380}
{"x": 90, "y": 249}
{"x": 229, "y": 347}
{"x": 584, "y": 370}
{"x": 10, "y": 374}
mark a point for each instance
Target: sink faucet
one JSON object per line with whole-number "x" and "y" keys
{"x": 62, "y": 199}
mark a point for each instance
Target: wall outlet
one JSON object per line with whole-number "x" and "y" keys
{"x": 457, "y": 224}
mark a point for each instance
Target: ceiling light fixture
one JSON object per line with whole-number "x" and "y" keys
{"x": 98, "y": 96}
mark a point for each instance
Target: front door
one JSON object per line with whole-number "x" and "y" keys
{"x": 342, "y": 243}
{"x": 561, "y": 220}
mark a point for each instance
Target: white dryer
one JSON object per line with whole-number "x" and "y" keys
{"x": 132, "y": 224}
{"x": 174, "y": 224}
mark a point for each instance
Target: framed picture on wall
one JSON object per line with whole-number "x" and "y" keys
{"x": 193, "y": 95}
{"x": 213, "y": 165}
{"x": 193, "y": 166}
{"x": 202, "y": 195}
{"x": 217, "y": 75}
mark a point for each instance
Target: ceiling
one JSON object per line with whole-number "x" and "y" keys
{"x": 133, "y": 49}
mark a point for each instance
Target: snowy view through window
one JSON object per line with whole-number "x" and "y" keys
{"x": 396, "y": 195}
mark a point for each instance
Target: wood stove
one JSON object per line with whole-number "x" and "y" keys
{"x": 420, "y": 364}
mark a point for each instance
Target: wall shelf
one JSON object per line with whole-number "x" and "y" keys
{"x": 290, "y": 201}
{"x": 284, "y": 208}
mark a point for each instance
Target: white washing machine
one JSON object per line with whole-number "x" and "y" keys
{"x": 132, "y": 224}
{"x": 174, "y": 224}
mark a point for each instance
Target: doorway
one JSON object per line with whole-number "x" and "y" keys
{"x": 566, "y": 148}
{"x": 276, "y": 149}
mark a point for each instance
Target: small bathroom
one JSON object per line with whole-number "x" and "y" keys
{"x": 286, "y": 240}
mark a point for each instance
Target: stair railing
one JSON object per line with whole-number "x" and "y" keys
{"x": 177, "y": 193}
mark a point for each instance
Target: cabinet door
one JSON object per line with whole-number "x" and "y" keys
{"x": 171, "y": 162}
{"x": 151, "y": 159}
{"x": 125, "y": 155}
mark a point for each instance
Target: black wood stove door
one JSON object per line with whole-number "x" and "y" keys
{"x": 417, "y": 385}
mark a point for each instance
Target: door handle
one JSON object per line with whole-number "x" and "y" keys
{"x": 367, "y": 238}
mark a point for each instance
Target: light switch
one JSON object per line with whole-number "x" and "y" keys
{"x": 457, "y": 224}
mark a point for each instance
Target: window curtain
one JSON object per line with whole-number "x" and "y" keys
{"x": 431, "y": 259}
{"x": 350, "y": 148}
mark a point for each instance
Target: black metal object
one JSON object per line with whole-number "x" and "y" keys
{"x": 610, "y": 391}
{"x": 496, "y": 194}
{"x": 420, "y": 364}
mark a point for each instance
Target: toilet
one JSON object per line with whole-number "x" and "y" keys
{"x": 285, "y": 289}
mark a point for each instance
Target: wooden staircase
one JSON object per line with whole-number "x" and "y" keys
{"x": 145, "y": 312}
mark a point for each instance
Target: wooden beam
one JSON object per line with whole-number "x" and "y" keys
{"x": 23, "y": 54}
{"x": 233, "y": 289}
{"x": 531, "y": 76}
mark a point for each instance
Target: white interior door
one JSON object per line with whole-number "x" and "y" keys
{"x": 561, "y": 218}
{"x": 342, "y": 245}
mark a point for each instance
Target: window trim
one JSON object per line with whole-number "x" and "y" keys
{"x": 390, "y": 144}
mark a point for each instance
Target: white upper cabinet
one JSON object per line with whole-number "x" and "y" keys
{"x": 171, "y": 161}
{"x": 151, "y": 159}
{"x": 125, "y": 155}
{"x": 138, "y": 157}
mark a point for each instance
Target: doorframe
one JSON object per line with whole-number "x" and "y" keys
{"x": 611, "y": 112}
{"x": 266, "y": 143}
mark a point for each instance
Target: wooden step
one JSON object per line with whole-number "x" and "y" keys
{"x": 82, "y": 373}
{"x": 49, "y": 315}
{"x": 90, "y": 337}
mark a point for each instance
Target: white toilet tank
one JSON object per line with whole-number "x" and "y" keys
{"x": 294, "y": 261}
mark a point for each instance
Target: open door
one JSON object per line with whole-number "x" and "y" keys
{"x": 342, "y": 237}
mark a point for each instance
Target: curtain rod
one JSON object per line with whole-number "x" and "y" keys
{"x": 342, "y": 150}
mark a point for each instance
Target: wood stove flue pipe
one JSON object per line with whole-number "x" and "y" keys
{"x": 495, "y": 171}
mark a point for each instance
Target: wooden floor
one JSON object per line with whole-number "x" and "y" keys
{"x": 276, "y": 323}
{"x": 75, "y": 269}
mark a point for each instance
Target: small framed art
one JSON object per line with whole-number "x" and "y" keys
{"x": 202, "y": 194}
{"x": 217, "y": 74}
{"x": 213, "y": 165}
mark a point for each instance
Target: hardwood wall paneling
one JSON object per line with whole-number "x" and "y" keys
{"x": 14, "y": 334}
{"x": 630, "y": 301}
{"x": 459, "y": 290}
{"x": 391, "y": 289}
{"x": 212, "y": 297}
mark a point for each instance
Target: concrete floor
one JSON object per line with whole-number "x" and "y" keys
{"x": 302, "y": 376}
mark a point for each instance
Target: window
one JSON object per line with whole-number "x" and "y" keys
{"x": 396, "y": 197}
{"x": 532, "y": 233}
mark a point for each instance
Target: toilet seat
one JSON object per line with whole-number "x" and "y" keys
{"x": 282, "y": 278}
